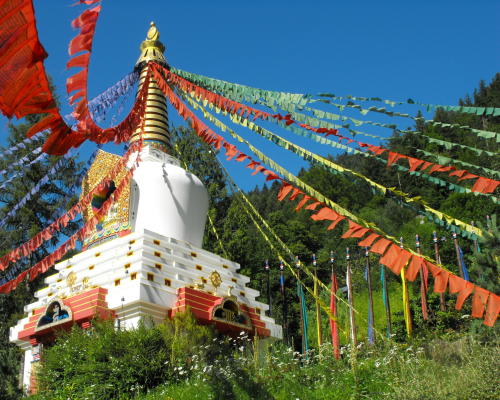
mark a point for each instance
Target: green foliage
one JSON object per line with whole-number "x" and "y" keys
{"x": 106, "y": 363}
{"x": 459, "y": 369}
{"x": 27, "y": 222}
{"x": 486, "y": 263}
{"x": 197, "y": 157}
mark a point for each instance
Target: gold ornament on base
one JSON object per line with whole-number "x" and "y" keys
{"x": 215, "y": 280}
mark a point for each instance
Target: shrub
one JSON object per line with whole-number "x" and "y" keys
{"x": 105, "y": 363}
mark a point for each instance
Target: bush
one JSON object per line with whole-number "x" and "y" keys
{"x": 105, "y": 363}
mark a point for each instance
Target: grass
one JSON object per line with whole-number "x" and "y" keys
{"x": 182, "y": 360}
{"x": 457, "y": 370}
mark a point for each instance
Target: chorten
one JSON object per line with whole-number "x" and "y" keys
{"x": 144, "y": 260}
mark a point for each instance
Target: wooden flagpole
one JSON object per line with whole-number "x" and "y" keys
{"x": 423, "y": 283}
{"x": 352, "y": 319}
{"x": 442, "y": 305}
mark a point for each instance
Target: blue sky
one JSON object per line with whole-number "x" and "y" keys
{"x": 433, "y": 51}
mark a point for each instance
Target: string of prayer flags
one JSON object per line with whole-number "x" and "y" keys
{"x": 486, "y": 186}
{"x": 446, "y": 220}
{"x": 21, "y": 163}
{"x": 22, "y": 145}
{"x": 210, "y": 137}
{"x": 412, "y": 161}
{"x": 47, "y": 233}
{"x": 89, "y": 226}
{"x": 216, "y": 141}
{"x": 62, "y": 137}
{"x": 35, "y": 189}
{"x": 99, "y": 104}
{"x": 291, "y": 101}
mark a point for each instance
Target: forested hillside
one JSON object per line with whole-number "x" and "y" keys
{"x": 244, "y": 243}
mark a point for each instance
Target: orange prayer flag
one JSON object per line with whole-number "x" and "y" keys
{"x": 458, "y": 172}
{"x": 359, "y": 233}
{"x": 353, "y": 227}
{"x": 402, "y": 260}
{"x": 367, "y": 242}
{"x": 468, "y": 175}
{"x": 325, "y": 213}
{"x": 380, "y": 246}
{"x": 425, "y": 165}
{"x": 393, "y": 157}
{"x": 313, "y": 206}
{"x": 463, "y": 294}
{"x": 492, "y": 310}
{"x": 414, "y": 268}
{"x": 480, "y": 185}
{"x": 456, "y": 284}
{"x": 390, "y": 258}
{"x": 334, "y": 223}
{"x": 295, "y": 193}
{"x": 414, "y": 163}
{"x": 435, "y": 270}
{"x": 285, "y": 189}
{"x": 491, "y": 186}
{"x": 441, "y": 281}
{"x": 302, "y": 202}
{"x": 479, "y": 302}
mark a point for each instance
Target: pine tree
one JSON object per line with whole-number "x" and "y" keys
{"x": 24, "y": 224}
{"x": 485, "y": 266}
{"x": 199, "y": 158}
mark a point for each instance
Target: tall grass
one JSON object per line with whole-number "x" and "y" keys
{"x": 181, "y": 360}
{"x": 457, "y": 370}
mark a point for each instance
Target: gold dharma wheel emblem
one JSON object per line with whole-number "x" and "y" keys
{"x": 215, "y": 279}
{"x": 71, "y": 279}
{"x": 85, "y": 282}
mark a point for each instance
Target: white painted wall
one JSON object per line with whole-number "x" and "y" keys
{"x": 28, "y": 358}
{"x": 167, "y": 199}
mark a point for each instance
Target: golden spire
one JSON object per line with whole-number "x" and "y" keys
{"x": 156, "y": 116}
{"x": 151, "y": 48}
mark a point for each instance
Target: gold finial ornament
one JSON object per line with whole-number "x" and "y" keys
{"x": 151, "y": 48}
{"x": 153, "y": 33}
{"x": 156, "y": 122}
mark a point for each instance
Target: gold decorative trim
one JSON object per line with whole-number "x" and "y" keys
{"x": 117, "y": 218}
